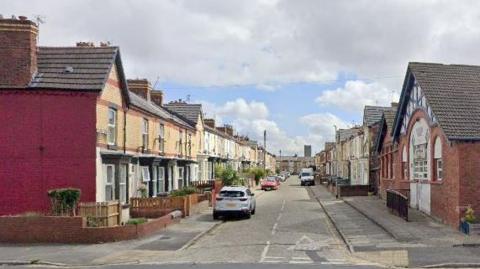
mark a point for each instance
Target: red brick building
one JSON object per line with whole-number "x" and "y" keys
{"x": 434, "y": 147}
{"x": 48, "y": 111}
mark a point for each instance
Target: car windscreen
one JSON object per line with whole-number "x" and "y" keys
{"x": 271, "y": 179}
{"x": 305, "y": 174}
{"x": 232, "y": 193}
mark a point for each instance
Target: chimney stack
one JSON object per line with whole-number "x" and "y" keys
{"x": 209, "y": 122}
{"x": 394, "y": 105}
{"x": 141, "y": 87}
{"x": 18, "y": 51}
{"x": 157, "y": 97}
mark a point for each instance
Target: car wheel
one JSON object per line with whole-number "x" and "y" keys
{"x": 253, "y": 211}
{"x": 248, "y": 215}
{"x": 215, "y": 216}
{"x": 301, "y": 184}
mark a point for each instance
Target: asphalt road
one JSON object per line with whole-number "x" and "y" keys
{"x": 289, "y": 230}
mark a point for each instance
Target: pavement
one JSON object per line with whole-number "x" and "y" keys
{"x": 289, "y": 230}
{"x": 374, "y": 234}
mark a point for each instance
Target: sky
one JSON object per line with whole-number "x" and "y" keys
{"x": 295, "y": 68}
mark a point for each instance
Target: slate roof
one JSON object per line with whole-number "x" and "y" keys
{"x": 372, "y": 114}
{"x": 389, "y": 116}
{"x": 344, "y": 134}
{"x": 453, "y": 93}
{"x": 188, "y": 111}
{"x": 74, "y": 68}
{"x": 150, "y": 107}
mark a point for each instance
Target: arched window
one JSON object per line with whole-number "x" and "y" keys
{"x": 437, "y": 159}
{"x": 419, "y": 151}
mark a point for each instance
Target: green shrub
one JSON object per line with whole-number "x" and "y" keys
{"x": 64, "y": 201}
{"x": 136, "y": 221}
{"x": 258, "y": 173}
{"x": 183, "y": 191}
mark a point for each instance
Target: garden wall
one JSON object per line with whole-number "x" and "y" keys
{"x": 52, "y": 229}
{"x": 352, "y": 190}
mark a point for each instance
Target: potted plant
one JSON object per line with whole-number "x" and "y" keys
{"x": 468, "y": 222}
{"x": 142, "y": 189}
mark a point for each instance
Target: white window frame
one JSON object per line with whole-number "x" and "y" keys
{"x": 122, "y": 184}
{"x": 181, "y": 173}
{"x": 420, "y": 163}
{"x": 161, "y": 180}
{"x": 145, "y": 174}
{"x": 112, "y": 127}
{"x": 154, "y": 181}
{"x": 161, "y": 137}
{"x": 110, "y": 183}
{"x": 439, "y": 168}
{"x": 145, "y": 133}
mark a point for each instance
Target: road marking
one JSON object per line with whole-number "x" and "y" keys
{"x": 274, "y": 229}
{"x": 301, "y": 262}
{"x": 301, "y": 258}
{"x": 283, "y": 206}
{"x": 264, "y": 252}
{"x": 279, "y": 217}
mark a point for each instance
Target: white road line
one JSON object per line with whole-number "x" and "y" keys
{"x": 301, "y": 258}
{"x": 274, "y": 229}
{"x": 279, "y": 217}
{"x": 283, "y": 206}
{"x": 274, "y": 257}
{"x": 265, "y": 251}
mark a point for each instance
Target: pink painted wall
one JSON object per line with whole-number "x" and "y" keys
{"x": 47, "y": 140}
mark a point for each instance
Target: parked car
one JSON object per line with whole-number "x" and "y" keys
{"x": 234, "y": 200}
{"x": 270, "y": 183}
{"x": 282, "y": 178}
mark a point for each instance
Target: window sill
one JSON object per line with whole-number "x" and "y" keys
{"x": 125, "y": 206}
{"x": 437, "y": 182}
{"x": 112, "y": 147}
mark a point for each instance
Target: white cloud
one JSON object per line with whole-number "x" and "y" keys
{"x": 354, "y": 95}
{"x": 267, "y": 42}
{"x": 252, "y": 118}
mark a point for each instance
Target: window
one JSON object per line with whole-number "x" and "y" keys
{"x": 161, "y": 138}
{"x": 145, "y": 174}
{"x": 154, "y": 181}
{"x": 122, "y": 184}
{"x": 145, "y": 134}
{"x": 420, "y": 163}
{"x": 180, "y": 177}
{"x": 109, "y": 182}
{"x": 161, "y": 180}
{"x": 180, "y": 142}
{"x": 189, "y": 146}
{"x": 438, "y": 162}
{"x": 112, "y": 127}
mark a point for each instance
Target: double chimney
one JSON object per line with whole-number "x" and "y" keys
{"x": 142, "y": 88}
{"x": 18, "y": 51}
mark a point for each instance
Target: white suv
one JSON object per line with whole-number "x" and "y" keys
{"x": 234, "y": 200}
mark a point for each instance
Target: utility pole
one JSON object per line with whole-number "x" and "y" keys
{"x": 265, "y": 150}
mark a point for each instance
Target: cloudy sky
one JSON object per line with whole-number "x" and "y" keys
{"x": 295, "y": 67}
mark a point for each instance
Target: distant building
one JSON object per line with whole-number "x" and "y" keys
{"x": 307, "y": 150}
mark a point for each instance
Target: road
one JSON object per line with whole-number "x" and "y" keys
{"x": 289, "y": 230}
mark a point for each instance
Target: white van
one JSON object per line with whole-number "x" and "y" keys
{"x": 306, "y": 177}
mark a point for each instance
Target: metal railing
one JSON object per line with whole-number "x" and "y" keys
{"x": 398, "y": 203}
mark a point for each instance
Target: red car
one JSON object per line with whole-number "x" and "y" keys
{"x": 270, "y": 183}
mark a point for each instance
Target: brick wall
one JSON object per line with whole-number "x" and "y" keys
{"x": 47, "y": 141}
{"x": 18, "y": 51}
{"x": 353, "y": 190}
{"x": 72, "y": 230}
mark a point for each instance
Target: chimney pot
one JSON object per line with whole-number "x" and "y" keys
{"x": 22, "y": 18}
{"x": 140, "y": 87}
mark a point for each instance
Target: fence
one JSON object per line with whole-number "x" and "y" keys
{"x": 398, "y": 203}
{"x": 101, "y": 214}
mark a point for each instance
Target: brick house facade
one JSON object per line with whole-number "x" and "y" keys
{"x": 435, "y": 140}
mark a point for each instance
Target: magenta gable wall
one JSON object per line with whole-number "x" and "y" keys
{"x": 47, "y": 140}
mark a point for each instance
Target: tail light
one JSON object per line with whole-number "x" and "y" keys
{"x": 243, "y": 199}
{"x": 219, "y": 198}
